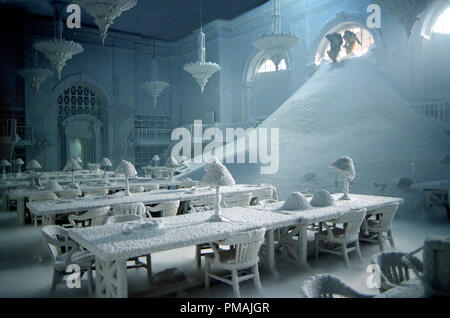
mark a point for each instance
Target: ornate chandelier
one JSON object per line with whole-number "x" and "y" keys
{"x": 35, "y": 76}
{"x": 105, "y": 12}
{"x": 201, "y": 70}
{"x": 58, "y": 50}
{"x": 155, "y": 87}
{"x": 277, "y": 44}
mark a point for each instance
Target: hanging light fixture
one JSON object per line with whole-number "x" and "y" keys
{"x": 155, "y": 87}
{"x": 35, "y": 76}
{"x": 58, "y": 50}
{"x": 201, "y": 70}
{"x": 105, "y": 12}
{"x": 277, "y": 44}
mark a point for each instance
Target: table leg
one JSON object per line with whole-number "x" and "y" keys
{"x": 111, "y": 278}
{"x": 270, "y": 252}
{"x": 302, "y": 245}
{"x": 21, "y": 210}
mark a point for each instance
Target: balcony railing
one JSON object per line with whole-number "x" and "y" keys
{"x": 150, "y": 136}
{"x": 437, "y": 111}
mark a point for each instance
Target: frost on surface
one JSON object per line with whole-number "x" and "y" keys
{"x": 217, "y": 174}
{"x": 53, "y": 185}
{"x": 296, "y": 201}
{"x": 322, "y": 198}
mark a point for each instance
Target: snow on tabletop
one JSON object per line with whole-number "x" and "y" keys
{"x": 83, "y": 204}
{"x": 125, "y": 240}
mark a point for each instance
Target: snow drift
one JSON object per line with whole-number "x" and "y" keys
{"x": 350, "y": 109}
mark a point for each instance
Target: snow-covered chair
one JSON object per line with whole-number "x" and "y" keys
{"x": 137, "y": 189}
{"x": 329, "y": 286}
{"x": 393, "y": 270}
{"x": 165, "y": 208}
{"x": 237, "y": 200}
{"x": 65, "y": 252}
{"x": 377, "y": 225}
{"x": 348, "y": 234}
{"x": 151, "y": 187}
{"x": 88, "y": 193}
{"x": 44, "y": 196}
{"x": 93, "y": 217}
{"x": 70, "y": 193}
{"x": 122, "y": 218}
{"x": 131, "y": 208}
{"x": 242, "y": 254}
{"x": 207, "y": 204}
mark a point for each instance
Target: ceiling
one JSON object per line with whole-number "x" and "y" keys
{"x": 168, "y": 20}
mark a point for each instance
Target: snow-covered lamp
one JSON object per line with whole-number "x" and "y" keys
{"x": 345, "y": 166}
{"x": 172, "y": 163}
{"x": 129, "y": 170}
{"x": 18, "y": 163}
{"x": 71, "y": 166}
{"x": 217, "y": 175}
{"x": 105, "y": 164}
{"x": 53, "y": 185}
{"x": 4, "y": 164}
{"x": 33, "y": 165}
{"x": 156, "y": 159}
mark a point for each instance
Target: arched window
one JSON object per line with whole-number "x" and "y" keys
{"x": 267, "y": 66}
{"x": 78, "y": 100}
{"x": 442, "y": 24}
{"x": 365, "y": 42}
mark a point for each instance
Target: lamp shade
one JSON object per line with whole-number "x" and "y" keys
{"x": 72, "y": 165}
{"x": 322, "y": 199}
{"x": 445, "y": 158}
{"x": 155, "y": 158}
{"x": 217, "y": 174}
{"x": 4, "y": 163}
{"x": 18, "y": 162}
{"x": 106, "y": 163}
{"x": 172, "y": 163}
{"x": 53, "y": 186}
{"x": 296, "y": 202}
{"x": 33, "y": 164}
{"x": 345, "y": 166}
{"x": 126, "y": 168}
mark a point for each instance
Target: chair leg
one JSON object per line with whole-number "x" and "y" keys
{"x": 198, "y": 256}
{"x": 234, "y": 277}
{"x": 55, "y": 280}
{"x": 256, "y": 277}
{"x": 358, "y": 250}
{"x": 207, "y": 279}
{"x": 391, "y": 239}
{"x": 381, "y": 241}
{"x": 90, "y": 282}
{"x": 316, "y": 248}
{"x": 149, "y": 266}
{"x": 344, "y": 253}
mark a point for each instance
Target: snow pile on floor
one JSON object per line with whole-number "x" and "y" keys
{"x": 350, "y": 109}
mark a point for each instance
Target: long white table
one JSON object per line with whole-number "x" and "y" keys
{"x": 68, "y": 206}
{"x": 21, "y": 195}
{"x": 113, "y": 244}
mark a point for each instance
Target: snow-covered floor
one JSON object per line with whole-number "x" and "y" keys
{"x": 25, "y": 266}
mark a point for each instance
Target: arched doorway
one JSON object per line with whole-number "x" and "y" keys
{"x": 81, "y": 116}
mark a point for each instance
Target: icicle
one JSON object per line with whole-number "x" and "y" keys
{"x": 202, "y": 45}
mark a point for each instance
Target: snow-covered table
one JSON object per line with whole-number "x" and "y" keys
{"x": 436, "y": 192}
{"x": 114, "y": 244}
{"x": 68, "y": 206}
{"x": 297, "y": 248}
{"x": 21, "y": 195}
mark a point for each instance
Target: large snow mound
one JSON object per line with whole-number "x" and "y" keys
{"x": 350, "y": 109}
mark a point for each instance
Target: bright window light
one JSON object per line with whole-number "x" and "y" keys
{"x": 267, "y": 66}
{"x": 442, "y": 24}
